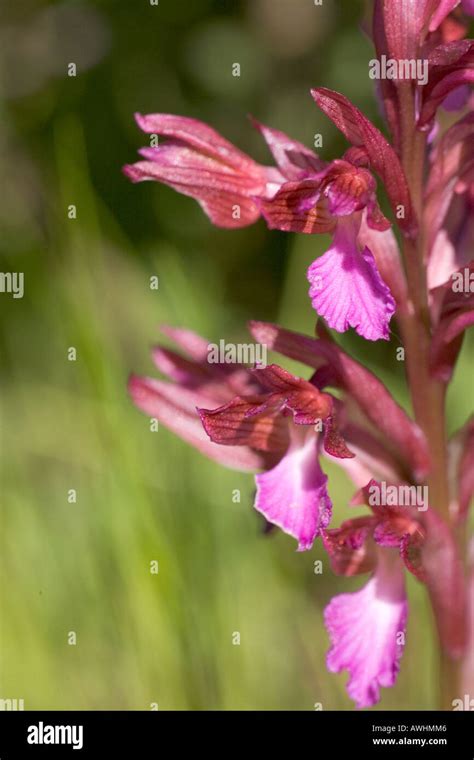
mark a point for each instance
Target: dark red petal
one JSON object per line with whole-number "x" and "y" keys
{"x": 376, "y": 220}
{"x": 178, "y": 165}
{"x": 361, "y": 132}
{"x": 276, "y": 378}
{"x": 334, "y": 443}
{"x": 387, "y": 87}
{"x": 410, "y": 552}
{"x": 223, "y": 197}
{"x": 198, "y": 135}
{"x": 350, "y": 548}
{"x": 306, "y": 402}
{"x": 396, "y": 528}
{"x": 236, "y": 424}
{"x": 285, "y": 210}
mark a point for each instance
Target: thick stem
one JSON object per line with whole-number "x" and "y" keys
{"x": 428, "y": 400}
{"x": 427, "y": 394}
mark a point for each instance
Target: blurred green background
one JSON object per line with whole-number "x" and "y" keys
{"x": 142, "y": 496}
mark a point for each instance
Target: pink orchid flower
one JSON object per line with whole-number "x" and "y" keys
{"x": 301, "y": 194}
{"x": 280, "y": 427}
{"x": 270, "y": 426}
{"x": 292, "y": 494}
{"x": 197, "y": 161}
{"x": 386, "y": 544}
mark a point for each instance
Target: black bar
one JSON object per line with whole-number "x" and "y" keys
{"x": 377, "y": 734}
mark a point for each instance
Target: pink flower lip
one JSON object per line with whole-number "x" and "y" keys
{"x": 367, "y": 631}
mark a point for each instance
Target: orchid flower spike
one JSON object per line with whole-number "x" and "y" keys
{"x": 415, "y": 265}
